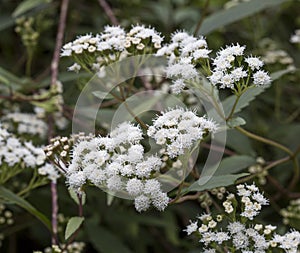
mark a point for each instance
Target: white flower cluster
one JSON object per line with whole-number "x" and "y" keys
{"x": 295, "y": 38}
{"x": 237, "y": 233}
{"x": 117, "y": 162}
{"x": 232, "y": 68}
{"x": 252, "y": 200}
{"x": 74, "y": 247}
{"x": 177, "y": 130}
{"x": 94, "y": 52}
{"x": 14, "y": 152}
{"x": 27, "y": 123}
{"x": 184, "y": 53}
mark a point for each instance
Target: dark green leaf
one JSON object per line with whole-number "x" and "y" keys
{"x": 105, "y": 241}
{"x": 12, "y": 198}
{"x": 239, "y": 142}
{"x": 234, "y": 164}
{"x": 28, "y": 5}
{"x": 5, "y": 22}
{"x": 238, "y": 12}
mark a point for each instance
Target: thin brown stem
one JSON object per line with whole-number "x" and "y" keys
{"x": 269, "y": 166}
{"x": 108, "y": 11}
{"x": 54, "y": 76}
{"x": 203, "y": 15}
{"x": 59, "y": 40}
{"x": 54, "y": 213}
{"x": 185, "y": 198}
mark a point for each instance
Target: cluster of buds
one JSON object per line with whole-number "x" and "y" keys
{"x": 257, "y": 169}
{"x": 291, "y": 214}
{"x": 25, "y": 27}
{"x": 6, "y": 216}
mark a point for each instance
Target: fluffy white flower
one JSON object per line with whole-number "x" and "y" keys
{"x": 261, "y": 78}
{"x": 191, "y": 228}
{"x": 179, "y": 129}
{"x": 134, "y": 186}
{"x": 142, "y": 203}
{"x": 160, "y": 200}
{"x": 254, "y": 63}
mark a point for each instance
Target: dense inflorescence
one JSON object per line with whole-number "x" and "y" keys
{"x": 237, "y": 230}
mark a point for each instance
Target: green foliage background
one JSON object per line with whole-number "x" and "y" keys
{"x": 274, "y": 114}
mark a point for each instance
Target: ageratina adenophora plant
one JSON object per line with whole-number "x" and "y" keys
{"x": 150, "y": 151}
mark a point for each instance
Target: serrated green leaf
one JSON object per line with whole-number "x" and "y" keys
{"x": 237, "y": 121}
{"x": 103, "y": 240}
{"x": 238, "y": 12}
{"x": 73, "y": 224}
{"x": 244, "y": 100}
{"x": 234, "y": 164}
{"x": 207, "y": 183}
{"x": 102, "y": 95}
{"x": 28, "y": 5}
{"x": 74, "y": 196}
{"x": 9, "y": 197}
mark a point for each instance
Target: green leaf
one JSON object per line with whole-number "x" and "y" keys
{"x": 74, "y": 196}
{"x": 206, "y": 182}
{"x": 244, "y": 100}
{"x": 103, "y": 240}
{"x": 234, "y": 122}
{"x": 12, "y": 80}
{"x": 109, "y": 199}
{"x": 73, "y": 224}
{"x": 239, "y": 142}
{"x": 234, "y": 164}
{"x": 12, "y": 198}
{"x": 28, "y": 5}
{"x": 276, "y": 75}
{"x": 102, "y": 95}
{"x": 6, "y": 21}
{"x": 238, "y": 12}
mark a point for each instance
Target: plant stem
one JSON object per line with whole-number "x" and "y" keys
{"x": 59, "y": 39}
{"x": 264, "y": 140}
{"x": 54, "y": 213}
{"x": 29, "y": 62}
{"x": 233, "y": 107}
{"x": 108, "y": 11}
{"x": 203, "y": 14}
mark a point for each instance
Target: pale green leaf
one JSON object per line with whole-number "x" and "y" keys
{"x": 237, "y": 121}
{"x": 276, "y": 75}
{"x": 9, "y": 197}
{"x": 238, "y": 12}
{"x": 109, "y": 199}
{"x": 73, "y": 224}
{"x": 74, "y": 196}
{"x": 207, "y": 183}
{"x": 234, "y": 164}
{"x": 102, "y": 95}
